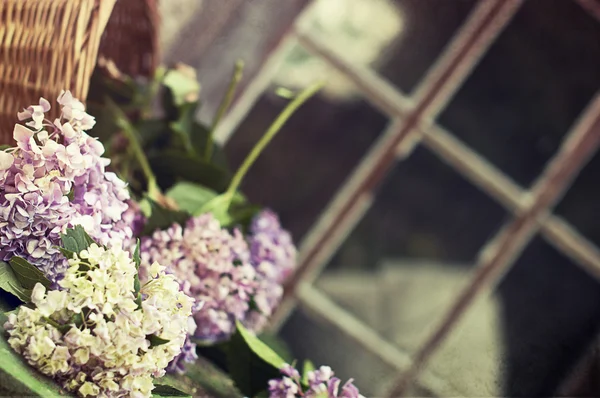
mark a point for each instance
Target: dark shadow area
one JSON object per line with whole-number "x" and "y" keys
{"x": 428, "y": 27}
{"x": 529, "y": 88}
{"x": 423, "y": 210}
{"x": 580, "y": 206}
{"x": 551, "y": 315}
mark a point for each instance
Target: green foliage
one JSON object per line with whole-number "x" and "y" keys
{"x": 190, "y": 197}
{"x": 308, "y": 367}
{"x": 202, "y": 378}
{"x": 163, "y": 390}
{"x": 10, "y": 283}
{"x": 76, "y": 239}
{"x": 155, "y": 340}
{"x": 251, "y": 362}
{"x": 197, "y": 199}
{"x": 181, "y": 86}
{"x": 136, "y": 255}
{"x": 162, "y": 218}
{"x": 277, "y": 345}
{"x": 170, "y": 166}
{"x": 183, "y": 126}
{"x": 28, "y": 275}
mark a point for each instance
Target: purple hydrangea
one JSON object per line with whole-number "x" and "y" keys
{"x": 135, "y": 218}
{"x": 272, "y": 249}
{"x": 53, "y": 179}
{"x": 213, "y": 266}
{"x": 321, "y": 383}
{"x": 273, "y": 255}
{"x": 188, "y": 355}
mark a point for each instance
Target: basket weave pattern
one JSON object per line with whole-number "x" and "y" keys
{"x": 50, "y": 45}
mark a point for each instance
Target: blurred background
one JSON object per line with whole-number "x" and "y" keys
{"x": 442, "y": 187}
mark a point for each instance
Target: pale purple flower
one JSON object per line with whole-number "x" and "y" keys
{"x": 321, "y": 383}
{"x": 273, "y": 255}
{"x": 56, "y": 178}
{"x": 271, "y": 246}
{"x": 283, "y": 388}
{"x": 74, "y": 111}
{"x": 35, "y": 113}
{"x": 290, "y": 371}
{"x": 188, "y": 355}
{"x": 134, "y": 217}
{"x": 212, "y": 265}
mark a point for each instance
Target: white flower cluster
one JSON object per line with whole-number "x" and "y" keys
{"x": 95, "y": 337}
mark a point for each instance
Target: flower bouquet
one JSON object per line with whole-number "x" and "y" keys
{"x": 147, "y": 272}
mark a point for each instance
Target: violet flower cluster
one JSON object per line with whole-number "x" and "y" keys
{"x": 273, "y": 256}
{"x": 231, "y": 278}
{"x": 213, "y": 267}
{"x": 321, "y": 383}
{"x": 53, "y": 179}
{"x": 272, "y": 249}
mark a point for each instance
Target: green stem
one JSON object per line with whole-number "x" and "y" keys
{"x": 273, "y": 129}
{"x": 135, "y": 147}
{"x": 225, "y": 103}
{"x": 153, "y": 91}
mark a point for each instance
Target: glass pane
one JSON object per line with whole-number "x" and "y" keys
{"x": 324, "y": 344}
{"x": 403, "y": 43}
{"x": 405, "y": 261}
{"x": 529, "y": 88}
{"x": 524, "y": 340}
{"x": 305, "y": 164}
{"x": 583, "y": 200}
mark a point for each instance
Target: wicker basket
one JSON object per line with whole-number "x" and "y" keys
{"x": 50, "y": 45}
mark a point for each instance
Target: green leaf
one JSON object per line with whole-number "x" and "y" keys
{"x": 170, "y": 166}
{"x": 67, "y": 253}
{"x": 28, "y": 275}
{"x": 151, "y": 130}
{"x": 155, "y": 340}
{"x": 181, "y": 86}
{"x": 259, "y": 347}
{"x": 161, "y": 390}
{"x": 10, "y": 283}
{"x": 243, "y": 214}
{"x": 236, "y": 211}
{"x": 17, "y": 378}
{"x": 76, "y": 239}
{"x": 278, "y": 345}
{"x": 189, "y": 196}
{"x": 219, "y": 207}
{"x": 251, "y": 362}
{"x": 136, "y": 280}
{"x": 136, "y": 255}
{"x": 71, "y": 194}
{"x": 284, "y": 93}
{"x": 199, "y": 137}
{"x": 308, "y": 367}
{"x": 203, "y": 378}
{"x": 183, "y": 125}
{"x": 161, "y": 218}
{"x": 4, "y": 147}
